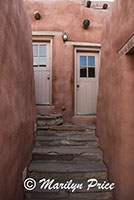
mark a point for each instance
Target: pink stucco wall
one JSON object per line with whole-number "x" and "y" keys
{"x": 65, "y": 16}
{"x": 115, "y": 116}
{"x": 17, "y": 101}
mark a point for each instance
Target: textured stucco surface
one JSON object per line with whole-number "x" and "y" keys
{"x": 94, "y": 4}
{"x": 17, "y": 101}
{"x": 65, "y": 16}
{"x": 115, "y": 115}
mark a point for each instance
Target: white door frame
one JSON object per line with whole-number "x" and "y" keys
{"x": 39, "y": 38}
{"x": 93, "y": 48}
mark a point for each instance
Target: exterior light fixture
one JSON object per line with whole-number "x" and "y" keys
{"x": 105, "y": 6}
{"x": 88, "y": 4}
{"x": 86, "y": 24}
{"x": 37, "y": 15}
{"x": 65, "y": 37}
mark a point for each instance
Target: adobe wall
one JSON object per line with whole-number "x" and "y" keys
{"x": 65, "y": 16}
{"x": 82, "y": 2}
{"x": 17, "y": 101}
{"x": 115, "y": 116}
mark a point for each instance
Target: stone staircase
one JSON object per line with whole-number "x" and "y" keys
{"x": 65, "y": 153}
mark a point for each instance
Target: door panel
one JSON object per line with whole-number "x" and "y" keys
{"x": 42, "y": 72}
{"x": 42, "y": 86}
{"x": 87, "y": 70}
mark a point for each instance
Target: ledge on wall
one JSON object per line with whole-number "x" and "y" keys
{"x": 127, "y": 48}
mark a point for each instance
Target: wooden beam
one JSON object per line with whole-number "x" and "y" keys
{"x": 127, "y": 48}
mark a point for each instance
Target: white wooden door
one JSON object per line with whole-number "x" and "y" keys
{"x": 42, "y": 74}
{"x": 87, "y": 70}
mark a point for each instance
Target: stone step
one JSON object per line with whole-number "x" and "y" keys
{"x": 69, "y": 196}
{"x": 49, "y": 120}
{"x": 91, "y": 196}
{"x": 63, "y": 153}
{"x": 65, "y": 169}
{"x": 67, "y": 154}
{"x": 68, "y": 127}
{"x": 43, "y": 132}
{"x": 70, "y": 140}
{"x": 45, "y": 110}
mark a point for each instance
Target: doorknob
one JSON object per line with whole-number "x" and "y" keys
{"x": 78, "y": 86}
{"x": 48, "y": 78}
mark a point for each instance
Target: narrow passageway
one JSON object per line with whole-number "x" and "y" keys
{"x": 65, "y": 159}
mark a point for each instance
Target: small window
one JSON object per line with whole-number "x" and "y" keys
{"x": 91, "y": 61}
{"x": 83, "y": 61}
{"x": 42, "y": 61}
{"x": 83, "y": 72}
{"x": 42, "y": 50}
{"x": 35, "y": 50}
{"x": 35, "y": 61}
{"x": 39, "y": 55}
{"x": 91, "y": 72}
{"x": 87, "y": 66}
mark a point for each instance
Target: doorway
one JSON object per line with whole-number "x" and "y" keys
{"x": 86, "y": 84}
{"x": 42, "y": 72}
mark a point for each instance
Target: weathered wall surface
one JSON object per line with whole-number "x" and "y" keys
{"x": 115, "y": 116}
{"x": 17, "y": 102}
{"x": 65, "y": 16}
{"x": 84, "y": 2}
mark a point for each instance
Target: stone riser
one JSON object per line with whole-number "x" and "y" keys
{"x": 67, "y": 128}
{"x": 63, "y": 153}
{"x": 67, "y": 143}
{"x": 52, "y": 138}
{"x": 45, "y": 110}
{"x": 61, "y": 133}
{"x": 70, "y": 196}
{"x": 50, "y": 120}
{"x": 68, "y": 157}
{"x": 68, "y": 175}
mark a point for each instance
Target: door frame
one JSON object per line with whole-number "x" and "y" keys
{"x": 92, "y": 48}
{"x": 42, "y": 38}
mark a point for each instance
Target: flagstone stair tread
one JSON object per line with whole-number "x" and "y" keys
{"x": 66, "y": 167}
{"x": 66, "y": 150}
{"x": 71, "y": 137}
